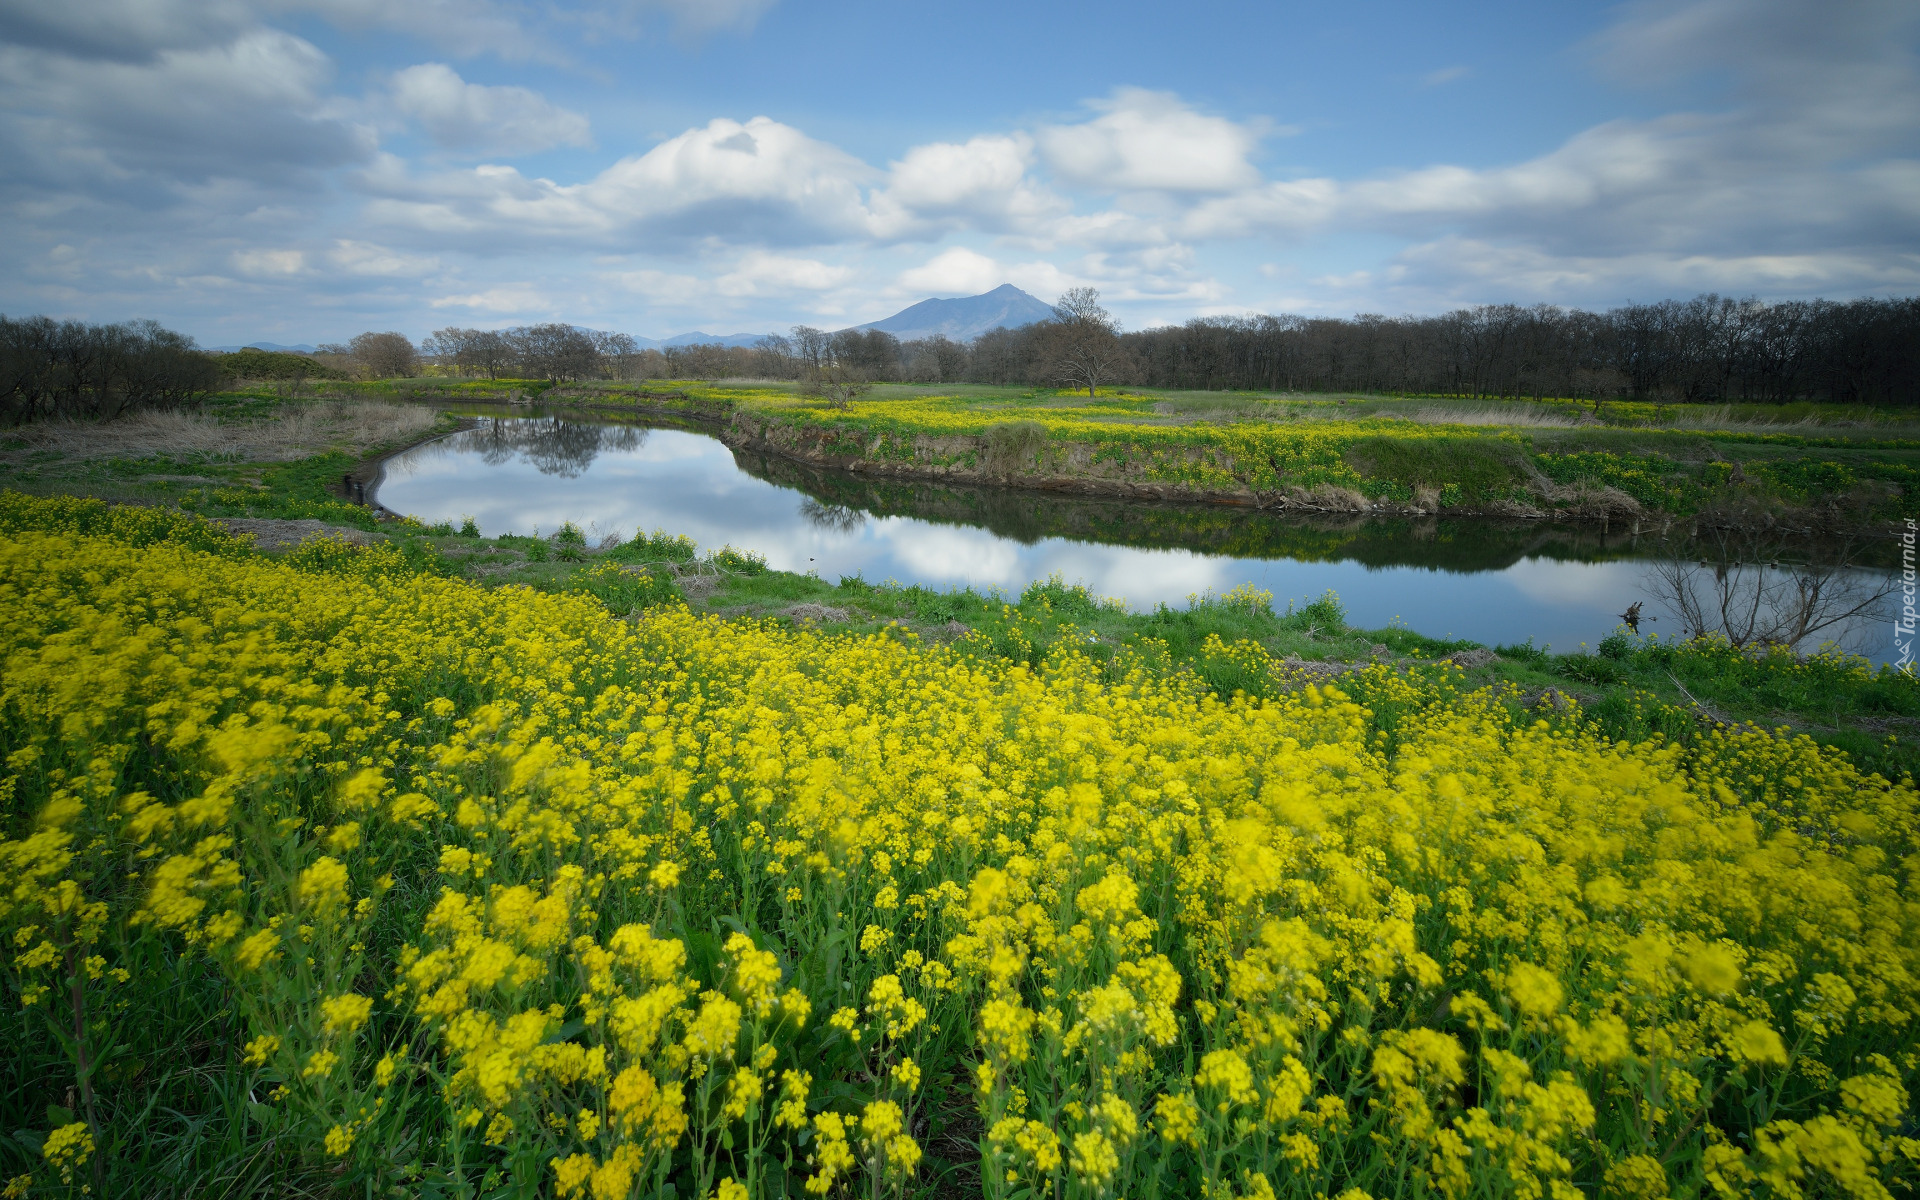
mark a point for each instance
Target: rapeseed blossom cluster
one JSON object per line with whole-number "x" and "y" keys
{"x": 592, "y": 905}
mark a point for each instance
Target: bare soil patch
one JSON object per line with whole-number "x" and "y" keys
{"x": 284, "y": 535}
{"x": 292, "y": 433}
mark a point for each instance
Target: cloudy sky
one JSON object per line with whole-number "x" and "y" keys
{"x": 302, "y": 170}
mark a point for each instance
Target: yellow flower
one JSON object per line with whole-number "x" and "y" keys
{"x": 344, "y": 1014}
{"x": 1755, "y": 1041}
{"x": 262, "y": 1048}
{"x": 1714, "y": 969}
{"x": 1534, "y": 990}
{"x": 67, "y": 1149}
{"x": 323, "y": 886}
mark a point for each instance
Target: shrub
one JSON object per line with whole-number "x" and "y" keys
{"x": 1326, "y": 614}
{"x": 1525, "y": 652}
{"x": 740, "y": 562}
{"x": 625, "y": 589}
{"x": 659, "y": 546}
{"x": 1589, "y": 668}
{"x": 1073, "y": 601}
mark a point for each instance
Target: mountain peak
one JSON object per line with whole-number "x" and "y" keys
{"x": 964, "y": 318}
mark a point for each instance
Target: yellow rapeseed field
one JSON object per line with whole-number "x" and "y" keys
{"x": 515, "y": 894}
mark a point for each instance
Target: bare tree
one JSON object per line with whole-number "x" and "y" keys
{"x": 477, "y": 351}
{"x": 555, "y": 352}
{"x": 1082, "y": 347}
{"x": 813, "y": 347}
{"x": 73, "y": 370}
{"x": 385, "y": 355}
{"x": 837, "y": 383}
{"x": 774, "y": 356}
{"x": 1752, "y": 592}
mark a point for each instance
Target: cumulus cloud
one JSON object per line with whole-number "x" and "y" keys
{"x": 270, "y": 263}
{"x": 367, "y": 258}
{"x": 955, "y": 272}
{"x": 761, "y": 274}
{"x": 459, "y": 115}
{"x": 257, "y": 105}
{"x": 508, "y": 298}
{"x": 122, "y": 30}
{"x": 1151, "y": 141}
{"x": 1809, "y": 180}
{"x": 758, "y": 182}
{"x": 982, "y": 183}
{"x": 1465, "y": 270}
{"x": 173, "y": 146}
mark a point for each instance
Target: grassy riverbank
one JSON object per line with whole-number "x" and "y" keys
{"x": 1642, "y": 464}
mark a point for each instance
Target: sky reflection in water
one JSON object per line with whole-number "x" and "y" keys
{"x": 523, "y": 476}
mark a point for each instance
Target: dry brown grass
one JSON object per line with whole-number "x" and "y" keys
{"x": 295, "y": 432}
{"x": 1517, "y": 415}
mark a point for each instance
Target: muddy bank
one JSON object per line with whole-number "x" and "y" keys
{"x": 361, "y": 484}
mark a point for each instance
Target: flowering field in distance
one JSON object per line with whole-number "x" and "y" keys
{"x": 495, "y": 893}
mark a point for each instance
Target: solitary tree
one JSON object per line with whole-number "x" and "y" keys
{"x": 1083, "y": 346}
{"x": 838, "y": 383}
{"x": 385, "y": 355}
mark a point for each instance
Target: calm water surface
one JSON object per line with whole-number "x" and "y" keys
{"x": 1489, "y": 581}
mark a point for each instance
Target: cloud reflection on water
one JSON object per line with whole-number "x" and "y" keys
{"x": 520, "y": 475}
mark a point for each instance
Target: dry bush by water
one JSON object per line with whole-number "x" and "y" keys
{"x": 294, "y": 432}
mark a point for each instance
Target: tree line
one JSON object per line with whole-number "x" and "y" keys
{"x": 1708, "y": 349}
{"x": 72, "y": 370}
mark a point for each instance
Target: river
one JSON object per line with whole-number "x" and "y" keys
{"x": 1490, "y": 581}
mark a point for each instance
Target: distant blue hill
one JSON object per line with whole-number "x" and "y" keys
{"x": 302, "y": 348}
{"x": 697, "y": 338}
{"x": 967, "y": 317}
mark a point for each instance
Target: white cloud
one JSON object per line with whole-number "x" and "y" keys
{"x": 507, "y": 299}
{"x": 1445, "y": 75}
{"x": 365, "y": 258}
{"x": 127, "y": 30}
{"x": 955, "y": 272}
{"x": 461, "y": 27}
{"x": 759, "y": 274}
{"x": 255, "y": 107}
{"x": 981, "y": 183}
{"x": 1466, "y": 270}
{"x": 270, "y": 262}
{"x": 757, "y": 182}
{"x": 1151, "y": 141}
{"x": 490, "y": 120}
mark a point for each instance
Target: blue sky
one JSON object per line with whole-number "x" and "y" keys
{"x": 303, "y": 170}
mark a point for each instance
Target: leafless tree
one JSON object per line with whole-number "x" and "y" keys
{"x": 832, "y": 518}
{"x": 873, "y": 353}
{"x": 72, "y": 370}
{"x": 1753, "y": 590}
{"x": 385, "y": 355}
{"x": 556, "y": 352}
{"x": 774, "y": 357}
{"x": 1082, "y": 347}
{"x": 486, "y": 352}
{"x": 839, "y": 384}
{"x": 936, "y": 359}
{"x": 813, "y": 347}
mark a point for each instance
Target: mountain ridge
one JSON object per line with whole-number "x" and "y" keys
{"x": 964, "y": 318}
